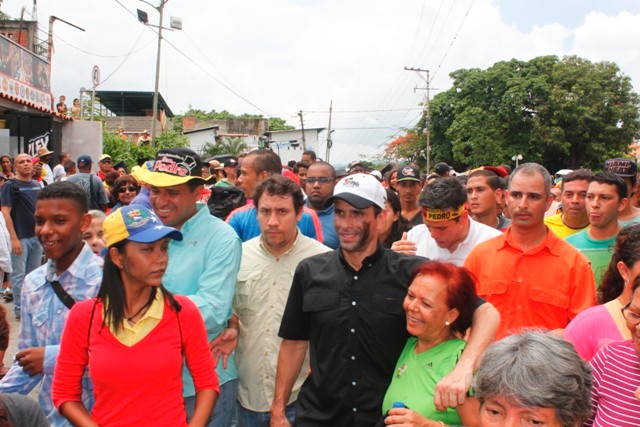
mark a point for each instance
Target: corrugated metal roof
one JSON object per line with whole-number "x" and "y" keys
{"x": 131, "y": 103}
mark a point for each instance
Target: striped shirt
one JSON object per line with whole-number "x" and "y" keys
{"x": 616, "y": 378}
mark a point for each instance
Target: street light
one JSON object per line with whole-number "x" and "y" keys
{"x": 143, "y": 17}
{"x": 516, "y": 158}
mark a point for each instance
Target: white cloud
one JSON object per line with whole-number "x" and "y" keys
{"x": 288, "y": 55}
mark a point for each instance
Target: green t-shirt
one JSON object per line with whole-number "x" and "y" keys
{"x": 599, "y": 252}
{"x": 416, "y": 375}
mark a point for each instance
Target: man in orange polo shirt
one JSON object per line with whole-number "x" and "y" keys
{"x": 533, "y": 278}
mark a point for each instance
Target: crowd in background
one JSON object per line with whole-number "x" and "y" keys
{"x": 301, "y": 293}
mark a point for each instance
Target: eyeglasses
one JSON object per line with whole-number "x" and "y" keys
{"x": 321, "y": 180}
{"x": 129, "y": 189}
{"x": 630, "y": 316}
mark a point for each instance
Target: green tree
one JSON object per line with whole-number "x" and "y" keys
{"x": 127, "y": 151}
{"x": 566, "y": 112}
{"x": 276, "y": 123}
{"x": 228, "y": 145}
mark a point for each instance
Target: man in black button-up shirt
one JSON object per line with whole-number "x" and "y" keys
{"x": 346, "y": 306}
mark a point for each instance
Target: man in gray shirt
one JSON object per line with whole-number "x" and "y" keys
{"x": 91, "y": 184}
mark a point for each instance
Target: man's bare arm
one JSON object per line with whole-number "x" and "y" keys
{"x": 16, "y": 248}
{"x": 452, "y": 389}
{"x": 290, "y": 360}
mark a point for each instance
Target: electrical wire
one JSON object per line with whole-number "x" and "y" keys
{"x": 455, "y": 36}
{"x": 124, "y": 60}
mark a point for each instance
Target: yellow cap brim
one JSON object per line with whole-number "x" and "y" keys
{"x": 160, "y": 179}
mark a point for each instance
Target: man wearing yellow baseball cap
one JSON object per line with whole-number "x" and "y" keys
{"x": 204, "y": 265}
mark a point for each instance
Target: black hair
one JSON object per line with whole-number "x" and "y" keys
{"x": 66, "y": 190}
{"x": 612, "y": 179}
{"x": 400, "y": 225}
{"x": 278, "y": 185}
{"x": 265, "y": 161}
{"x": 444, "y": 193}
{"x": 577, "y": 175}
{"x": 112, "y": 291}
{"x": 493, "y": 180}
{"x": 310, "y": 153}
{"x": 69, "y": 165}
{"x": 299, "y": 165}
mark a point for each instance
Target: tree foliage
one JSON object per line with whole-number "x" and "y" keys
{"x": 228, "y": 145}
{"x": 566, "y": 112}
{"x": 274, "y": 123}
{"x": 119, "y": 149}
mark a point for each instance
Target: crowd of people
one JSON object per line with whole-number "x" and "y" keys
{"x": 251, "y": 293}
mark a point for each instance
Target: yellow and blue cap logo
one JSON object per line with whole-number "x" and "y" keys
{"x": 137, "y": 224}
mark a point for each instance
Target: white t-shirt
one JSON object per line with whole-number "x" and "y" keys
{"x": 58, "y": 172}
{"x": 427, "y": 246}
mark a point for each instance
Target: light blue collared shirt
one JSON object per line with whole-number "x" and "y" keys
{"x": 204, "y": 267}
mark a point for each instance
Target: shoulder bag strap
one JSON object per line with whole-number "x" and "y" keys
{"x": 66, "y": 299}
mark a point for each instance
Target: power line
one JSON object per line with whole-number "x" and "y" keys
{"x": 455, "y": 36}
{"x": 363, "y": 111}
{"x": 236, "y": 93}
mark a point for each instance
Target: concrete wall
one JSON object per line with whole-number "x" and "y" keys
{"x": 82, "y": 137}
{"x": 286, "y": 151}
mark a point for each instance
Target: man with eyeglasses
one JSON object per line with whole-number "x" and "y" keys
{"x": 319, "y": 183}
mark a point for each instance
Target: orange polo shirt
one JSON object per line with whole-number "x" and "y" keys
{"x": 544, "y": 287}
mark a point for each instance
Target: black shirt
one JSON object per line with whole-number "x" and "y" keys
{"x": 356, "y": 328}
{"x": 21, "y": 196}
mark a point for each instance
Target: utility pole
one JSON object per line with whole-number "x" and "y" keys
{"x": 426, "y": 113}
{"x": 304, "y": 140}
{"x": 329, "y": 140}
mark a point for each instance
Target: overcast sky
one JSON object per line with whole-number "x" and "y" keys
{"x": 276, "y": 57}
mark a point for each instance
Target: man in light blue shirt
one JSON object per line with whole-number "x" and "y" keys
{"x": 61, "y": 218}
{"x": 203, "y": 266}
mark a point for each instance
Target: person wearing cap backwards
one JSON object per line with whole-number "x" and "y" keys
{"x": 72, "y": 273}
{"x": 135, "y": 336}
{"x": 203, "y": 266}
{"x": 409, "y": 185}
{"x": 625, "y": 169}
{"x": 104, "y": 165}
{"x": 534, "y": 278}
{"x": 256, "y": 166}
{"x": 574, "y": 217}
{"x": 91, "y": 184}
{"x": 230, "y": 173}
{"x": 345, "y": 307}
{"x": 448, "y": 233}
{"x": 45, "y": 157}
{"x": 484, "y": 192}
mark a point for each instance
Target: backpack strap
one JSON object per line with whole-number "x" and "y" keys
{"x": 94, "y": 198}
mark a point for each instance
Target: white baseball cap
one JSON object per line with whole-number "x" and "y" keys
{"x": 359, "y": 190}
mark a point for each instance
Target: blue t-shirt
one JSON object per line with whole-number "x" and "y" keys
{"x": 23, "y": 205}
{"x": 328, "y": 228}
{"x": 245, "y": 223}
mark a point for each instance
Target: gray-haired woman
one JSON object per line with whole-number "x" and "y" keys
{"x": 533, "y": 379}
